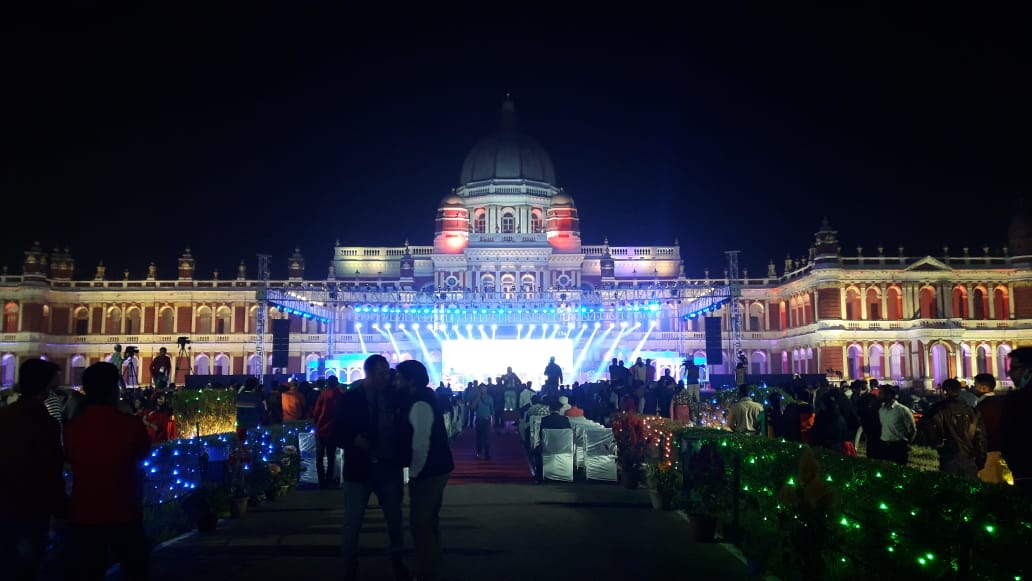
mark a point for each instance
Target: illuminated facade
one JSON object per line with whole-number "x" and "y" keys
{"x": 507, "y": 264}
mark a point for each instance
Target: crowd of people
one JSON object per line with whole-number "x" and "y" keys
{"x": 976, "y": 430}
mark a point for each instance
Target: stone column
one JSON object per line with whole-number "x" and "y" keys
{"x": 991, "y": 291}
{"x": 1010, "y": 301}
{"x": 766, "y": 315}
{"x": 958, "y": 362}
{"x": 970, "y": 303}
{"x": 991, "y": 363}
{"x": 887, "y": 361}
{"x": 842, "y": 303}
{"x": 907, "y": 306}
{"x": 973, "y": 359}
{"x": 846, "y": 371}
{"x": 863, "y": 302}
{"x": 884, "y": 303}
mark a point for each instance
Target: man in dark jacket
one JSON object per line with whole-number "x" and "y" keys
{"x": 32, "y": 486}
{"x": 431, "y": 465}
{"x": 956, "y": 430}
{"x": 1017, "y": 417}
{"x": 367, "y": 426}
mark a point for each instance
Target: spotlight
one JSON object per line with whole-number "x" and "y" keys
{"x": 480, "y": 327}
{"x": 415, "y": 326}
{"x": 637, "y": 324}
{"x": 387, "y": 326}
{"x": 555, "y": 325}
{"x": 401, "y": 326}
{"x": 454, "y": 327}
{"x": 358, "y": 326}
{"x": 519, "y": 327}
{"x": 585, "y": 325}
{"x": 611, "y": 325}
{"x": 623, "y": 324}
{"x": 494, "y": 326}
{"x": 469, "y": 327}
{"x": 570, "y": 325}
{"x": 375, "y": 326}
{"x": 597, "y": 324}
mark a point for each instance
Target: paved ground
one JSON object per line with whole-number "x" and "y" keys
{"x": 491, "y": 531}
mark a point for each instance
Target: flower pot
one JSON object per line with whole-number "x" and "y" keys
{"x": 658, "y": 501}
{"x": 704, "y": 527}
{"x": 207, "y": 522}
{"x": 239, "y": 507}
{"x": 629, "y": 479}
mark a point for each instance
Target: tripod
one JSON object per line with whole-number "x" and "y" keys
{"x": 183, "y": 356}
{"x": 129, "y": 377}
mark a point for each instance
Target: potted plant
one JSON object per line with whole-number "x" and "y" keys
{"x": 206, "y": 504}
{"x": 705, "y": 490}
{"x": 631, "y": 448}
{"x": 238, "y": 477}
{"x": 666, "y": 484}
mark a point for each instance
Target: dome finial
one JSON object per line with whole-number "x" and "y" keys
{"x": 508, "y": 113}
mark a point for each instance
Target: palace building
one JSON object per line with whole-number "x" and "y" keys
{"x": 507, "y": 281}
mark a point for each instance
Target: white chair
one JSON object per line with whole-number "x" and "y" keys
{"x": 557, "y": 455}
{"x": 579, "y": 443}
{"x": 306, "y": 446}
{"x": 600, "y": 455}
{"x": 535, "y": 429}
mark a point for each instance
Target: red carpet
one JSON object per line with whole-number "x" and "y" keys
{"x": 508, "y": 463}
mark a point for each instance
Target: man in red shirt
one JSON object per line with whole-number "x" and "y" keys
{"x": 160, "y": 368}
{"x": 105, "y": 447}
{"x": 33, "y": 486}
{"x": 325, "y": 446}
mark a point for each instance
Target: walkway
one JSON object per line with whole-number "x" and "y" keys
{"x": 497, "y": 526}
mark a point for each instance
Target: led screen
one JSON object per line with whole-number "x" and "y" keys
{"x": 464, "y": 361}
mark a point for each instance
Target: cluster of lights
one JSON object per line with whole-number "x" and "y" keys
{"x": 459, "y": 310}
{"x": 174, "y": 468}
{"x": 713, "y": 307}
{"x": 896, "y": 519}
{"x": 300, "y": 313}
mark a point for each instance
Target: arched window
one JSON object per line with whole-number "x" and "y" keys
{"x": 221, "y": 365}
{"x": 82, "y": 321}
{"x": 203, "y": 322}
{"x": 758, "y": 363}
{"x": 896, "y": 361}
{"x": 965, "y": 362}
{"x": 527, "y": 283}
{"x": 10, "y": 318}
{"x": 810, "y": 366}
{"x": 78, "y": 367}
{"x": 927, "y": 302}
{"x": 877, "y": 356}
{"x": 806, "y": 311}
{"x": 166, "y": 321}
{"x": 251, "y": 314}
{"x": 252, "y": 365}
{"x": 852, "y": 305}
{"x": 480, "y": 222}
{"x": 487, "y": 283}
{"x": 201, "y": 365}
{"x": 960, "y": 309}
{"x": 114, "y": 321}
{"x": 855, "y": 362}
{"x": 46, "y": 320}
{"x": 982, "y": 359}
{"x": 874, "y": 305}
{"x": 508, "y": 223}
{"x": 784, "y": 362}
{"x": 756, "y": 317}
{"x": 222, "y": 320}
{"x": 1002, "y": 360}
{"x": 792, "y": 308}
{"x": 133, "y": 320}
{"x": 981, "y": 304}
{"x": 940, "y": 363}
{"x": 1001, "y": 304}
{"x": 7, "y": 367}
{"x": 537, "y": 223}
{"x": 894, "y": 304}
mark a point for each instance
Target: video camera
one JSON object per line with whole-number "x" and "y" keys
{"x": 130, "y": 351}
{"x": 183, "y": 342}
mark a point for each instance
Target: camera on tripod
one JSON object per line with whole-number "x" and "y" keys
{"x": 183, "y": 342}
{"x": 131, "y": 351}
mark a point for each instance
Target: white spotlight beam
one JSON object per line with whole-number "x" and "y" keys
{"x": 637, "y": 348}
{"x": 584, "y": 351}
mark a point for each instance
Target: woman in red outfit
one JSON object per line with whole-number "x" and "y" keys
{"x": 157, "y": 419}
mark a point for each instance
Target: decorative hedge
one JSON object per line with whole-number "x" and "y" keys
{"x": 810, "y": 514}
{"x": 204, "y": 412}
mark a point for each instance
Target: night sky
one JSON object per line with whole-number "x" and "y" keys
{"x": 129, "y": 136}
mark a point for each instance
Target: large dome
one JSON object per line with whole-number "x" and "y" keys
{"x": 508, "y": 154}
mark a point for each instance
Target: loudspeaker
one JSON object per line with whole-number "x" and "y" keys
{"x": 280, "y": 342}
{"x": 714, "y": 342}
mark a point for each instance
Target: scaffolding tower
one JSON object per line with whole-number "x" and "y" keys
{"x": 262, "y": 316}
{"x": 735, "y": 287}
